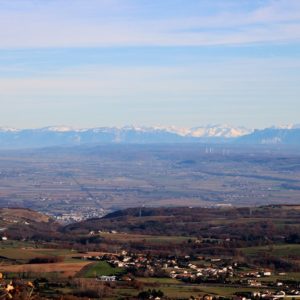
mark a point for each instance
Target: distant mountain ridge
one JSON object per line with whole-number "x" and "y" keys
{"x": 67, "y": 136}
{"x": 225, "y": 131}
{"x": 272, "y": 136}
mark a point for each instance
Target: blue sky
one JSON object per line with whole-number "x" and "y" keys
{"x": 87, "y": 63}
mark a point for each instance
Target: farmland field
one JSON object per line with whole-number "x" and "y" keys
{"x": 101, "y": 268}
{"x": 63, "y": 269}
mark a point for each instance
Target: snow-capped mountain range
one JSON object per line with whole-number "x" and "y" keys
{"x": 68, "y": 136}
{"x": 224, "y": 131}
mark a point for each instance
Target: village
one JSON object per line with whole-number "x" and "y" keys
{"x": 207, "y": 270}
{"x": 77, "y": 215}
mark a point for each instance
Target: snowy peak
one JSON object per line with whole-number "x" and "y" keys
{"x": 8, "y": 129}
{"x": 58, "y": 128}
{"x": 216, "y": 131}
{"x": 69, "y": 136}
{"x": 283, "y": 135}
{"x": 223, "y": 131}
{"x": 213, "y": 131}
{"x": 286, "y": 126}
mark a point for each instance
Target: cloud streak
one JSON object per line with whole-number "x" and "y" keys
{"x": 234, "y": 78}
{"x": 126, "y": 23}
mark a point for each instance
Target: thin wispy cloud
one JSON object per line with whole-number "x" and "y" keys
{"x": 236, "y": 79}
{"x": 80, "y": 23}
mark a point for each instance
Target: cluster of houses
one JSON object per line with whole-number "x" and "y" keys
{"x": 77, "y": 216}
{"x": 268, "y": 295}
{"x": 183, "y": 268}
{"x": 175, "y": 267}
{"x": 257, "y": 274}
{"x": 192, "y": 273}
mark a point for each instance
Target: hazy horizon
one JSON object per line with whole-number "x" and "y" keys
{"x": 155, "y": 126}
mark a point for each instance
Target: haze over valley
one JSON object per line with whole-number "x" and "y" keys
{"x": 87, "y": 181}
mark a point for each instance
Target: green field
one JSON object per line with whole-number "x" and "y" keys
{"x": 288, "y": 276}
{"x": 16, "y": 244}
{"x": 100, "y": 268}
{"x": 274, "y": 250}
{"x": 159, "y": 280}
{"x": 19, "y": 255}
{"x": 179, "y": 290}
{"x": 23, "y": 255}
